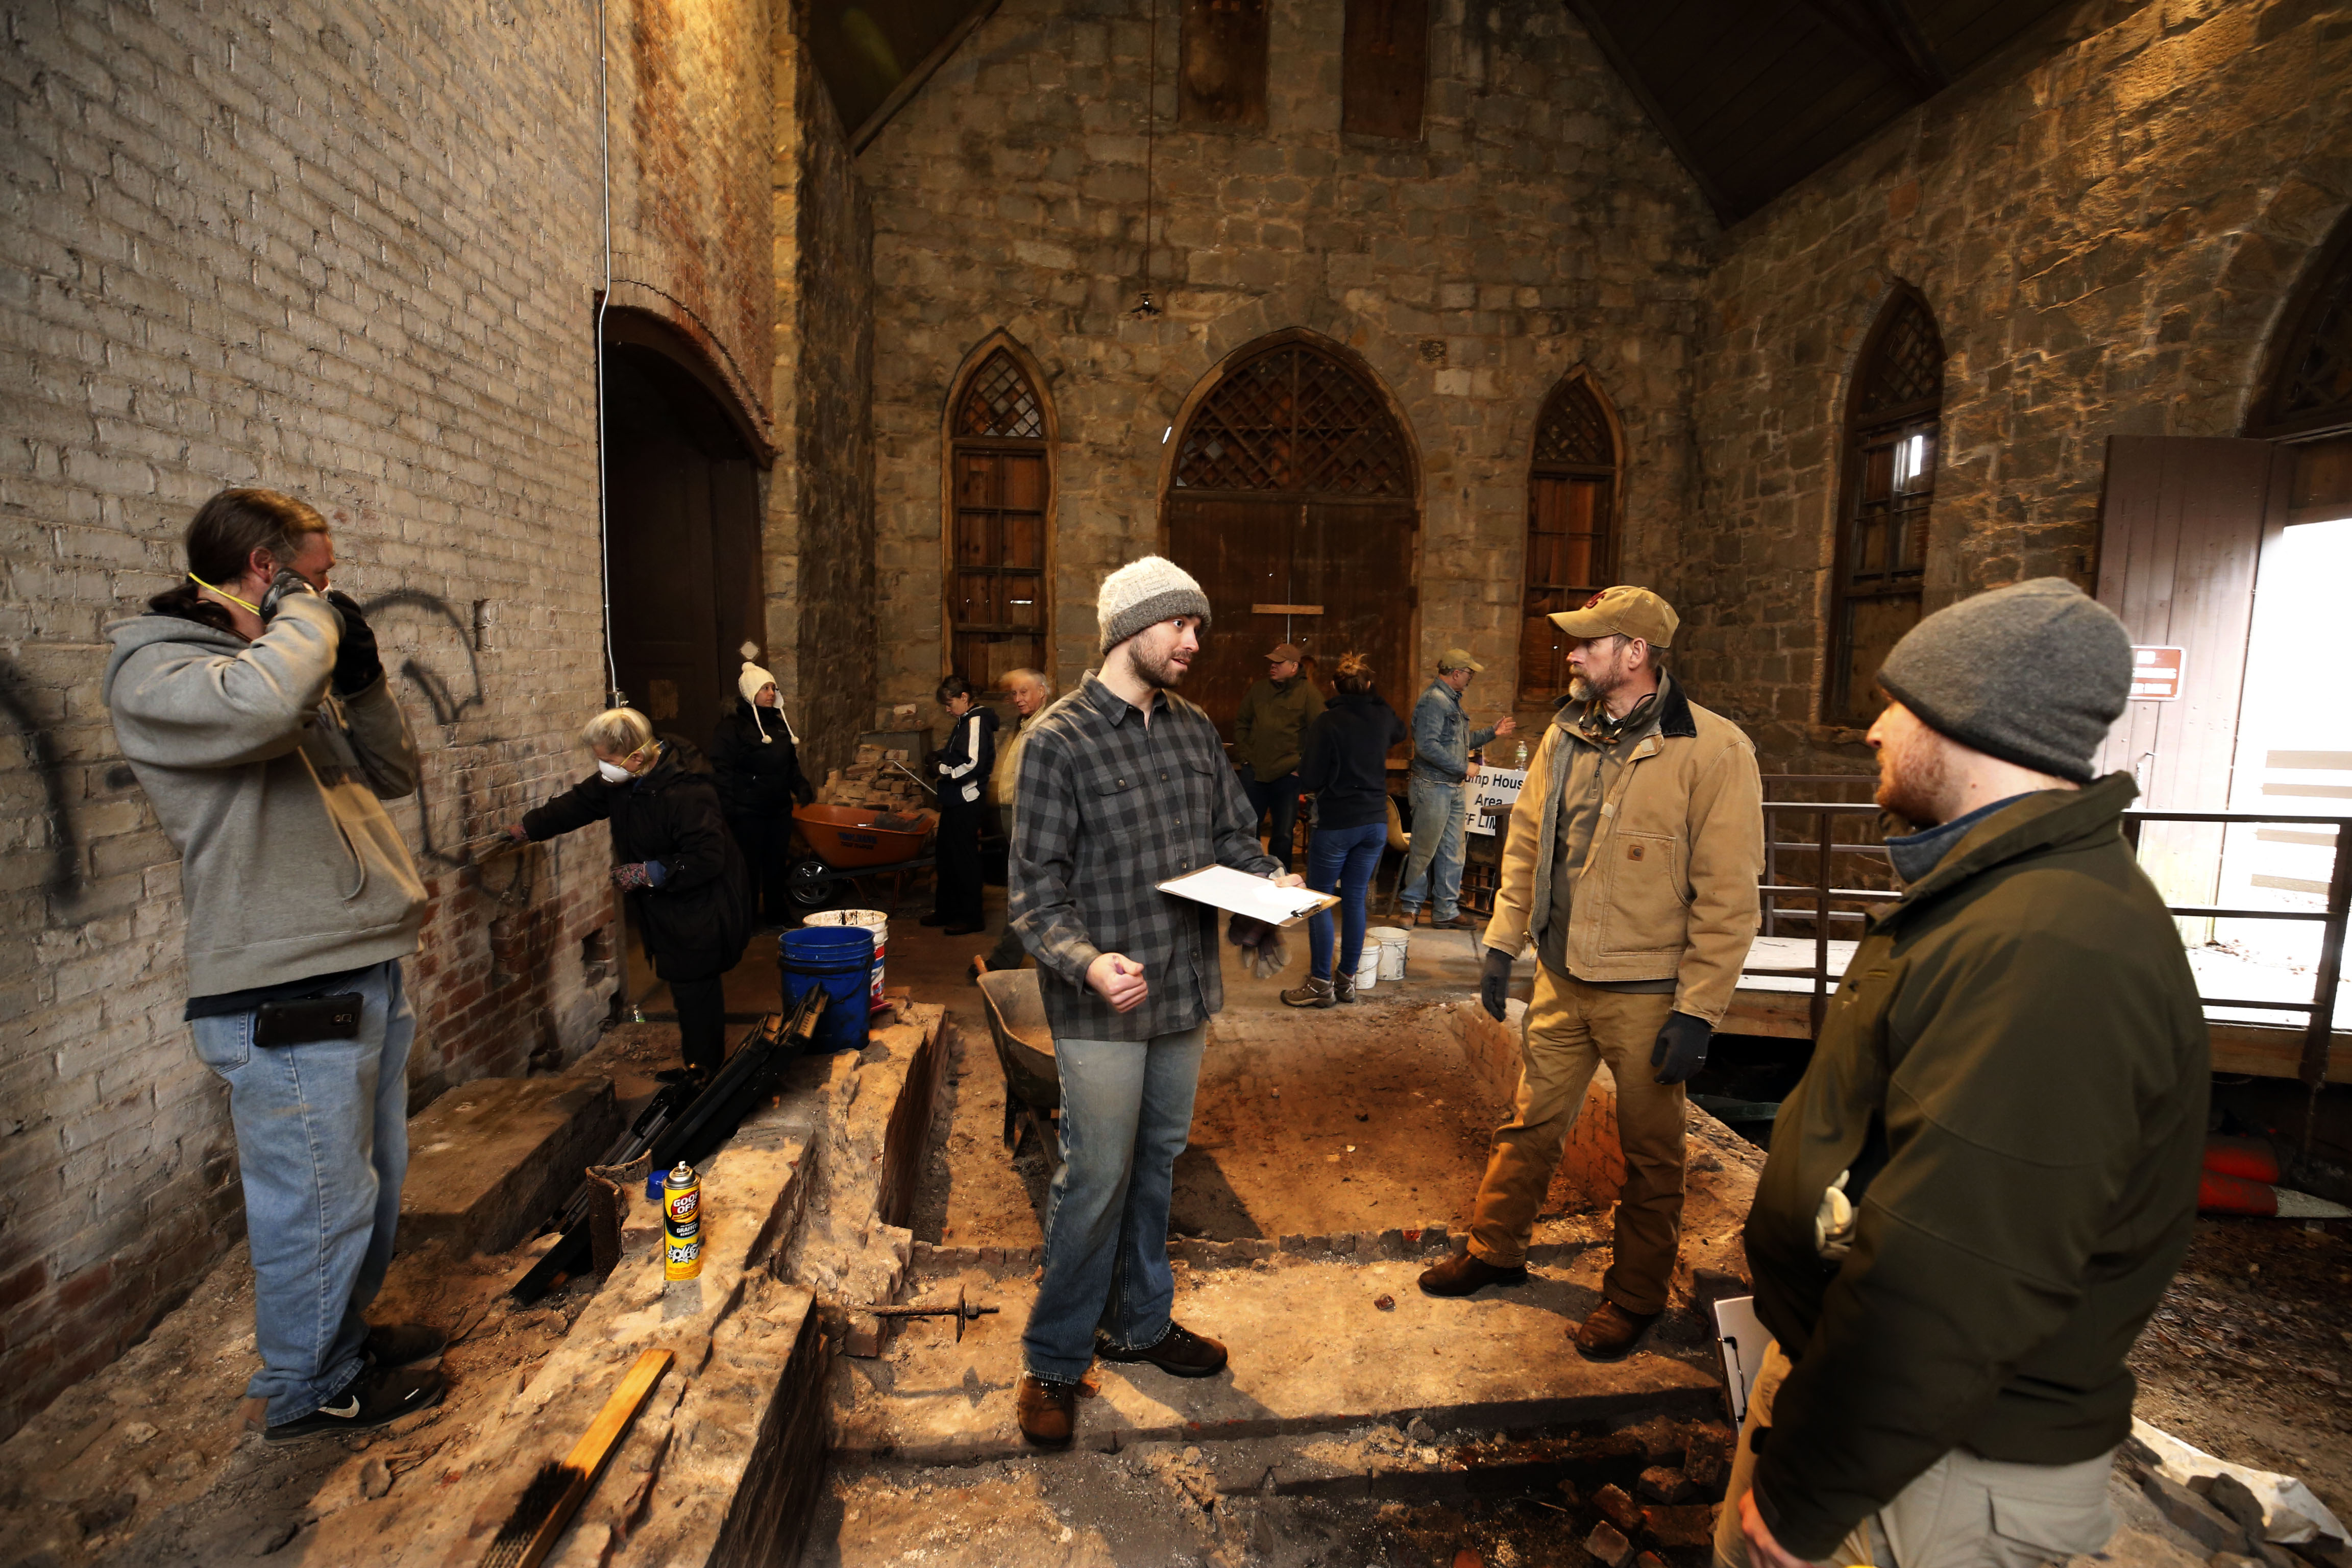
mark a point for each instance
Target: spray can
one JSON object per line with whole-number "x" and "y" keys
{"x": 682, "y": 1223}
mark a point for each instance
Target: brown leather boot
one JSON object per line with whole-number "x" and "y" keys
{"x": 1609, "y": 1333}
{"x": 1467, "y": 1272}
{"x": 1048, "y": 1412}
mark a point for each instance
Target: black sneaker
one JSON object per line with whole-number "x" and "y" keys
{"x": 377, "y": 1397}
{"x": 404, "y": 1347}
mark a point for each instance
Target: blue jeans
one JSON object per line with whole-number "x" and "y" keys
{"x": 1433, "y": 869}
{"x": 1127, "y": 1110}
{"x": 322, "y": 1144}
{"x": 1341, "y": 860}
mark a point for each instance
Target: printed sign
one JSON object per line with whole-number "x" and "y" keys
{"x": 2155, "y": 674}
{"x": 1494, "y": 790}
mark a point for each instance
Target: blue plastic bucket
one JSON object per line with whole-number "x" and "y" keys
{"x": 840, "y": 959}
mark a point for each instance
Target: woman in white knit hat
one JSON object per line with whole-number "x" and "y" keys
{"x": 756, "y": 757}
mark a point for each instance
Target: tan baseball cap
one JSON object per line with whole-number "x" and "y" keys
{"x": 1623, "y": 611}
{"x": 1457, "y": 659}
{"x": 1286, "y": 653}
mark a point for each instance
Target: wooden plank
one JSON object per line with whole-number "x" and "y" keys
{"x": 1384, "y": 67}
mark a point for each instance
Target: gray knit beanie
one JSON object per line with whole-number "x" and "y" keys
{"x": 1144, "y": 592}
{"x": 2034, "y": 674}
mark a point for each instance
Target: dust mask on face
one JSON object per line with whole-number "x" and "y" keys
{"x": 614, "y": 771}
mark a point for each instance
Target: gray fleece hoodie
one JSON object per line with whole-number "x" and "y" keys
{"x": 269, "y": 786}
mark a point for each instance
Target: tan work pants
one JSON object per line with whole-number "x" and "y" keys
{"x": 1571, "y": 1030}
{"x": 1962, "y": 1511}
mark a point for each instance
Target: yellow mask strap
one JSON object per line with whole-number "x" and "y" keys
{"x": 224, "y": 593}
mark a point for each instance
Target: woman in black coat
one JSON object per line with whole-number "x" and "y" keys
{"x": 674, "y": 858}
{"x": 756, "y": 759}
{"x": 964, "y": 767}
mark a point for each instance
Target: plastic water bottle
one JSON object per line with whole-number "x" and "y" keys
{"x": 1520, "y": 754}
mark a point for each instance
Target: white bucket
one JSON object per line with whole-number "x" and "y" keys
{"x": 1368, "y": 966}
{"x": 1390, "y": 942}
{"x": 874, "y": 920}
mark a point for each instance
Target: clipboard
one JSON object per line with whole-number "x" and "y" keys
{"x": 1221, "y": 887}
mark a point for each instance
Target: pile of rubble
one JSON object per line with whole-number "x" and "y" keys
{"x": 880, "y": 780}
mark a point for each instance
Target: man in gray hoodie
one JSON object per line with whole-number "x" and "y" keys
{"x": 254, "y": 709}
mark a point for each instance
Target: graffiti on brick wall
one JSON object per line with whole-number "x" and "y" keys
{"x": 64, "y": 876}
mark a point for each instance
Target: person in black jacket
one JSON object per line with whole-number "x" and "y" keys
{"x": 963, "y": 768}
{"x": 1346, "y": 768}
{"x": 673, "y": 856}
{"x": 755, "y": 756}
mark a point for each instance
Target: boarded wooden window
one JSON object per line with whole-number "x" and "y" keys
{"x": 1890, "y": 480}
{"x": 996, "y": 568}
{"x": 1221, "y": 71}
{"x": 1293, "y": 503}
{"x": 1384, "y": 67}
{"x": 1571, "y": 536}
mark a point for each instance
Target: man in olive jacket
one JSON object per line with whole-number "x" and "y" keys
{"x": 1268, "y": 734}
{"x": 1633, "y": 864}
{"x": 1981, "y": 1189}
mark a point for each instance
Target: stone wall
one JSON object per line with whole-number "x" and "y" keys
{"x": 1540, "y": 223}
{"x": 2106, "y": 224}
{"x": 820, "y": 534}
{"x": 348, "y": 250}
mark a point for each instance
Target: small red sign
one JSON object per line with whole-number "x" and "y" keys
{"x": 2155, "y": 674}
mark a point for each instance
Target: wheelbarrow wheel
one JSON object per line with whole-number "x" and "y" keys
{"x": 808, "y": 884}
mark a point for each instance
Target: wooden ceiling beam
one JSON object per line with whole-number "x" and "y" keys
{"x": 1587, "y": 11}
{"x": 1889, "y": 36}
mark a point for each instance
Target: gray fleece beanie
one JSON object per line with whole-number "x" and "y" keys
{"x": 2034, "y": 674}
{"x": 1144, "y": 592}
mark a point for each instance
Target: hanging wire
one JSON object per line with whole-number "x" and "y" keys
{"x": 614, "y": 697}
{"x": 1145, "y": 307}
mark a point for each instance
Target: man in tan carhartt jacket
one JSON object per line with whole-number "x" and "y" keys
{"x": 1632, "y": 864}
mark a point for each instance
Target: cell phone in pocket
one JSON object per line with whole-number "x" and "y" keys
{"x": 301, "y": 1021}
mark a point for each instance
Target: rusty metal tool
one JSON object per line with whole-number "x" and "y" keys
{"x": 963, "y": 1311}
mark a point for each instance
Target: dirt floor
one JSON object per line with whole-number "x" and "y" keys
{"x": 2250, "y": 1357}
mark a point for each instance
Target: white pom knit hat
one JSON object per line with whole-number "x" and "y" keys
{"x": 1143, "y": 593}
{"x": 749, "y": 682}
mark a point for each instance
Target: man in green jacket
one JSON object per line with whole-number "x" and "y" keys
{"x": 1268, "y": 736}
{"x": 1981, "y": 1189}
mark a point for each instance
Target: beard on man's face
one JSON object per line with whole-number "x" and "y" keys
{"x": 1911, "y": 778}
{"x": 1160, "y": 667}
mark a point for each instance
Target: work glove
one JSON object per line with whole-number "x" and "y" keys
{"x": 358, "y": 666}
{"x": 632, "y": 877}
{"x": 284, "y": 583}
{"x": 1681, "y": 1050}
{"x": 1268, "y": 953}
{"x": 1494, "y": 983}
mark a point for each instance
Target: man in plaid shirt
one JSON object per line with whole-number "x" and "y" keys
{"x": 1123, "y": 784}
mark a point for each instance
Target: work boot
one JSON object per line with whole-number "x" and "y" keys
{"x": 1343, "y": 990}
{"x": 1609, "y": 1333}
{"x": 404, "y": 1347}
{"x": 1048, "y": 1412}
{"x": 1180, "y": 1352}
{"x": 1314, "y": 993}
{"x": 1456, "y": 921}
{"x": 1467, "y": 1272}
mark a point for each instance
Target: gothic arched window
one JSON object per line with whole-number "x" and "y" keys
{"x": 1001, "y": 460}
{"x": 1890, "y": 479}
{"x": 1571, "y": 529}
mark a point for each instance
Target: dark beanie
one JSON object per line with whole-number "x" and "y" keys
{"x": 2035, "y": 674}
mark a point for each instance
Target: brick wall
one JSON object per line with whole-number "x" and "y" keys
{"x": 1541, "y": 223}
{"x": 820, "y": 536}
{"x": 2106, "y": 237}
{"x": 351, "y": 251}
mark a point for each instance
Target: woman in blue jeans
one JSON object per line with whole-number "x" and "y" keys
{"x": 1346, "y": 769}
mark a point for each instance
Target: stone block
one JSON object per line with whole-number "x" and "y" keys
{"x": 1660, "y": 1483}
{"x": 1608, "y": 1546}
{"x": 2199, "y": 1520}
{"x": 1617, "y": 1507}
{"x": 492, "y": 1159}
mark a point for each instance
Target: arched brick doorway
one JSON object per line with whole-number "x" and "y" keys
{"x": 682, "y": 470}
{"x": 1293, "y": 497}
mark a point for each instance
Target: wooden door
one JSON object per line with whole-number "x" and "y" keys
{"x": 1355, "y": 561}
{"x": 1240, "y": 551}
{"x": 2183, "y": 525}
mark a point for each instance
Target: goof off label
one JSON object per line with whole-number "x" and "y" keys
{"x": 681, "y": 1258}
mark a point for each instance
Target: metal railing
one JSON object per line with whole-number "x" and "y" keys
{"x": 1822, "y": 894}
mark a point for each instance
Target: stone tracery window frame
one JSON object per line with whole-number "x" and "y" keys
{"x": 2305, "y": 389}
{"x": 1575, "y": 474}
{"x": 1893, "y": 434}
{"x": 996, "y": 531}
